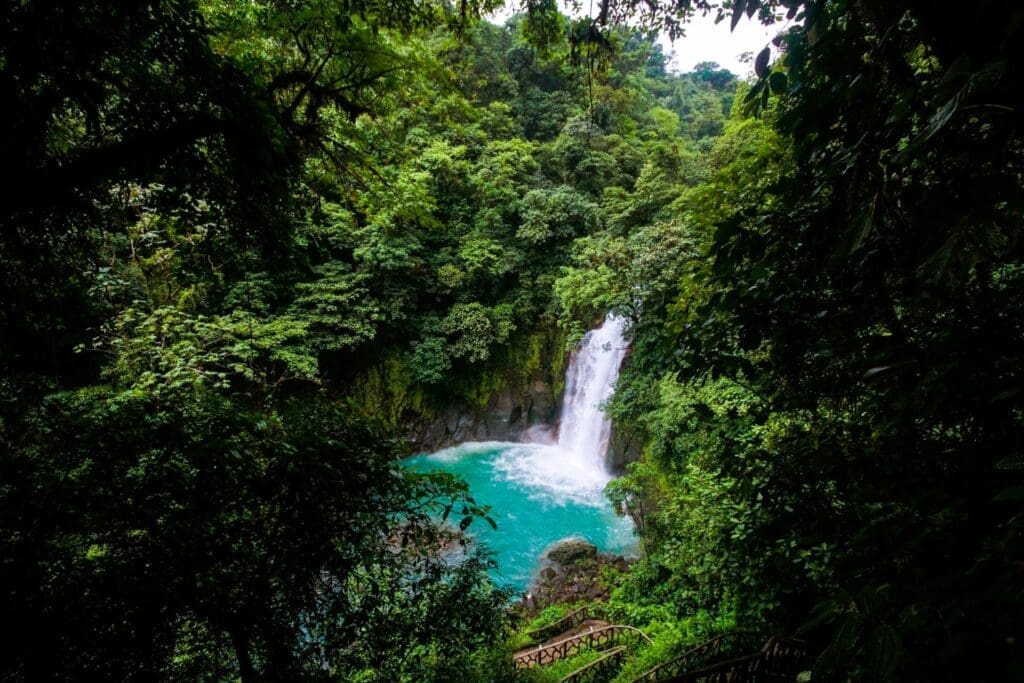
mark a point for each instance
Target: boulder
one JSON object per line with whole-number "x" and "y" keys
{"x": 572, "y": 551}
{"x": 573, "y": 572}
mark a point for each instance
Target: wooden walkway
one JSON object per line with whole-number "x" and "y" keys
{"x": 592, "y": 639}
{"x": 587, "y": 613}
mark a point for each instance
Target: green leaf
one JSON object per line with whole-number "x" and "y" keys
{"x": 778, "y": 81}
{"x": 821, "y": 613}
{"x": 1009, "y": 495}
{"x": 862, "y": 228}
{"x": 826, "y": 664}
{"x": 1011, "y": 462}
{"x": 754, "y": 91}
{"x": 761, "y": 63}
{"x": 464, "y": 524}
{"x": 847, "y": 633}
{"x": 883, "y": 651}
{"x": 942, "y": 117}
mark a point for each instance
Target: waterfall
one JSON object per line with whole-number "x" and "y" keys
{"x": 589, "y": 381}
{"x": 573, "y": 469}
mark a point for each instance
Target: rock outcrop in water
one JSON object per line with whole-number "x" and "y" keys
{"x": 571, "y": 551}
{"x": 575, "y": 571}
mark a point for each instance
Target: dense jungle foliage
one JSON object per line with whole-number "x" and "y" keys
{"x": 242, "y": 244}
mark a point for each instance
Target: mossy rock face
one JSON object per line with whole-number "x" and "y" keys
{"x": 572, "y": 551}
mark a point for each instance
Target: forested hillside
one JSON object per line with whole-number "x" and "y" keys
{"x": 248, "y": 249}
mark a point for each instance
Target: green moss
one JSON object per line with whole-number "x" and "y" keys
{"x": 389, "y": 395}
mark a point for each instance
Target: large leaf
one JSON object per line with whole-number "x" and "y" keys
{"x": 883, "y": 651}
{"x": 737, "y": 12}
{"x": 821, "y": 613}
{"x": 761, "y": 63}
{"x": 1011, "y": 462}
{"x": 826, "y": 664}
{"x": 778, "y": 82}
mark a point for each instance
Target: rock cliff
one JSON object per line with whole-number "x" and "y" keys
{"x": 506, "y": 416}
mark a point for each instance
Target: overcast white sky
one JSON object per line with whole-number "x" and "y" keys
{"x": 706, "y": 41}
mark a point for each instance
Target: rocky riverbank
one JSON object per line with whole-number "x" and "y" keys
{"x": 574, "y": 571}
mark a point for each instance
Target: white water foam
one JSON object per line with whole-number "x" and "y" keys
{"x": 547, "y": 476}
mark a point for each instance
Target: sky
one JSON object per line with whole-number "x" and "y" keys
{"x": 706, "y": 41}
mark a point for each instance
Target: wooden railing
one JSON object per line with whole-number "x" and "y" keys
{"x": 601, "y": 669}
{"x": 569, "y": 621}
{"x": 779, "y": 659}
{"x": 596, "y": 639}
{"x": 713, "y": 650}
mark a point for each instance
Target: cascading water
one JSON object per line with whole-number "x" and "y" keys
{"x": 590, "y": 381}
{"x": 542, "y": 493}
